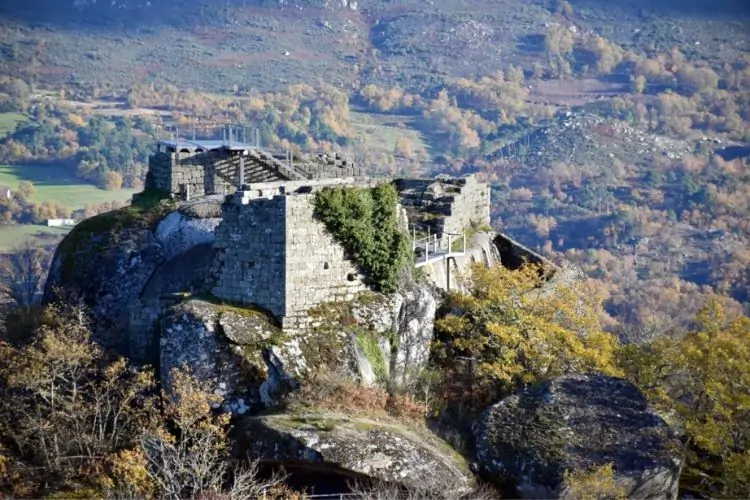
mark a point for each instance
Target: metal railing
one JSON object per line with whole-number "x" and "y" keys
{"x": 432, "y": 248}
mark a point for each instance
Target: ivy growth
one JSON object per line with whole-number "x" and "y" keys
{"x": 364, "y": 221}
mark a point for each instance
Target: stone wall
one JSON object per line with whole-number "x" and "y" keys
{"x": 176, "y": 172}
{"x": 217, "y": 171}
{"x": 445, "y": 205}
{"x": 159, "y": 172}
{"x": 143, "y": 315}
{"x": 203, "y": 173}
{"x": 470, "y": 206}
{"x": 184, "y": 273}
{"x": 317, "y": 269}
{"x": 249, "y": 260}
{"x": 272, "y": 252}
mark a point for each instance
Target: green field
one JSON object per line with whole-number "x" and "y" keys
{"x": 8, "y": 122}
{"x": 16, "y": 234}
{"x": 58, "y": 184}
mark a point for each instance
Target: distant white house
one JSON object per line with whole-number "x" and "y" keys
{"x": 60, "y": 222}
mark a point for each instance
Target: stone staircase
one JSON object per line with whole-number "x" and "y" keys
{"x": 273, "y": 165}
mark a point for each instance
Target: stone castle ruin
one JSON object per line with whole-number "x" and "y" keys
{"x": 268, "y": 248}
{"x": 201, "y": 167}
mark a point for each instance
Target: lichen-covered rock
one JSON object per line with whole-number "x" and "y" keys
{"x": 415, "y": 324}
{"x": 107, "y": 267}
{"x": 284, "y": 365}
{"x": 126, "y": 259}
{"x": 577, "y": 422}
{"x": 404, "y": 323}
{"x": 193, "y": 333}
{"x": 384, "y": 450}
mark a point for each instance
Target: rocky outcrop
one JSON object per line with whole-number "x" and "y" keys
{"x": 135, "y": 267}
{"x": 119, "y": 264}
{"x": 106, "y": 269}
{"x": 384, "y": 450}
{"x": 403, "y": 327}
{"x": 575, "y": 423}
{"x": 221, "y": 345}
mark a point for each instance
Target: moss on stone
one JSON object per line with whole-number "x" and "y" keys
{"x": 318, "y": 423}
{"x": 365, "y": 222}
{"x": 368, "y": 298}
{"x": 247, "y": 310}
{"x": 368, "y": 344}
{"x": 365, "y": 426}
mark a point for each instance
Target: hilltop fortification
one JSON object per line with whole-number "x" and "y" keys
{"x": 243, "y": 231}
{"x": 270, "y": 250}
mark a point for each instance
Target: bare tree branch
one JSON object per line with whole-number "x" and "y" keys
{"x": 22, "y": 274}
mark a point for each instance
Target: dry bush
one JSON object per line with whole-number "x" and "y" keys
{"x": 406, "y": 406}
{"x": 335, "y": 391}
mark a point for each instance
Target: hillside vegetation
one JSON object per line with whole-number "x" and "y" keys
{"x": 616, "y": 136}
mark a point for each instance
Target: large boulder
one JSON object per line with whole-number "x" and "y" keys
{"x": 105, "y": 261}
{"x": 223, "y": 346}
{"x": 577, "y": 423}
{"x": 381, "y": 449}
{"x": 193, "y": 224}
{"x": 124, "y": 259}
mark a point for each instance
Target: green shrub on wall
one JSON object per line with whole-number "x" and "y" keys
{"x": 364, "y": 221}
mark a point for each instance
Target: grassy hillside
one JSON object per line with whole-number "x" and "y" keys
{"x": 216, "y": 45}
{"x": 8, "y": 122}
{"x": 13, "y": 236}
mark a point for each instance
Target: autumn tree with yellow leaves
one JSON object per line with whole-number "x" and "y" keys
{"x": 702, "y": 383}
{"x": 513, "y": 329}
{"x": 77, "y": 423}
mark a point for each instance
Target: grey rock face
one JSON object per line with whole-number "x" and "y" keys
{"x": 382, "y": 450}
{"x": 120, "y": 266}
{"x": 278, "y": 379}
{"x": 194, "y": 333}
{"x": 415, "y": 322}
{"x": 107, "y": 271}
{"x": 577, "y": 422}
{"x": 405, "y": 323}
{"x": 178, "y": 233}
